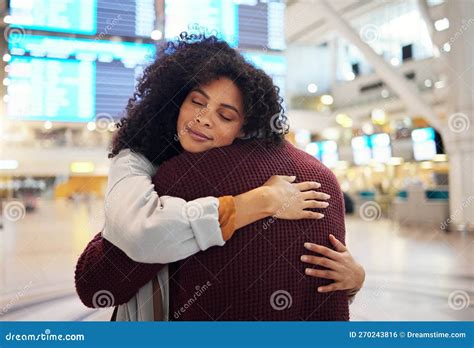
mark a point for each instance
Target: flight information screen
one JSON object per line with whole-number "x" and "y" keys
{"x": 325, "y": 151}
{"x": 381, "y": 149}
{"x": 261, "y": 24}
{"x": 133, "y": 18}
{"x": 274, "y": 65}
{"x": 244, "y": 24}
{"x": 72, "y": 80}
{"x": 361, "y": 150}
{"x": 424, "y": 144}
{"x": 217, "y": 17}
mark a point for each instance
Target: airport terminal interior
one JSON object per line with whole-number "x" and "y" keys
{"x": 380, "y": 91}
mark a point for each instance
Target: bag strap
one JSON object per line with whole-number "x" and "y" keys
{"x": 114, "y": 314}
{"x": 157, "y": 301}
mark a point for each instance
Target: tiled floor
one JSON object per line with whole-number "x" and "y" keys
{"x": 413, "y": 273}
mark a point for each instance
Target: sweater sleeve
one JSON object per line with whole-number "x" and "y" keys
{"x": 151, "y": 228}
{"x": 105, "y": 276}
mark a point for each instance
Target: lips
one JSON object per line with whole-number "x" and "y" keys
{"x": 199, "y": 134}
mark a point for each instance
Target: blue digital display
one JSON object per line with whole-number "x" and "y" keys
{"x": 376, "y": 147}
{"x": 381, "y": 149}
{"x": 218, "y": 17}
{"x": 313, "y": 149}
{"x": 63, "y": 16}
{"x": 274, "y": 65}
{"x": 89, "y": 17}
{"x": 361, "y": 150}
{"x": 72, "y": 80}
{"x": 325, "y": 151}
{"x": 424, "y": 144}
{"x": 253, "y": 24}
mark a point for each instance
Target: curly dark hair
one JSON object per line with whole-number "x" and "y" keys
{"x": 150, "y": 123}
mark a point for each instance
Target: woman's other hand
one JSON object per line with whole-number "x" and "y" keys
{"x": 341, "y": 267}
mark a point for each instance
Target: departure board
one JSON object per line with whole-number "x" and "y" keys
{"x": 131, "y": 18}
{"x": 72, "y": 80}
{"x": 217, "y": 17}
{"x": 273, "y": 64}
{"x": 261, "y": 24}
{"x": 245, "y": 24}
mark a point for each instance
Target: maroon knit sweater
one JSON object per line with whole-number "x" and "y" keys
{"x": 102, "y": 266}
{"x": 257, "y": 274}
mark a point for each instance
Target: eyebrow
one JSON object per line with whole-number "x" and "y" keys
{"x": 228, "y": 106}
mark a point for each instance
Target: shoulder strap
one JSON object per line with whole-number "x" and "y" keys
{"x": 157, "y": 301}
{"x": 114, "y": 314}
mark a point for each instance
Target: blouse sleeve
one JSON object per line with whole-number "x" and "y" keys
{"x": 153, "y": 229}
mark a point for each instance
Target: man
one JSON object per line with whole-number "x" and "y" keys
{"x": 258, "y": 274}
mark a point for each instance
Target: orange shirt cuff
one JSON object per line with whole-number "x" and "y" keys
{"x": 227, "y": 216}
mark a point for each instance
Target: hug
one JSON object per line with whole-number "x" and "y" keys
{"x": 210, "y": 214}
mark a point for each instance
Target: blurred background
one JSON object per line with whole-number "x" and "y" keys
{"x": 380, "y": 91}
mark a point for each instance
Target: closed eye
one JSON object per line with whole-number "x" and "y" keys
{"x": 198, "y": 103}
{"x": 225, "y": 118}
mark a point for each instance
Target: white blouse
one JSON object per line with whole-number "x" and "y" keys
{"x": 153, "y": 229}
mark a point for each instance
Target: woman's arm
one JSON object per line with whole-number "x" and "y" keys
{"x": 153, "y": 229}
{"x": 341, "y": 267}
{"x": 103, "y": 267}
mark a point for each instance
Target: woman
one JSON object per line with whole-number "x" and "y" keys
{"x": 197, "y": 96}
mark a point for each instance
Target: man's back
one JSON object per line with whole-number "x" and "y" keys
{"x": 257, "y": 274}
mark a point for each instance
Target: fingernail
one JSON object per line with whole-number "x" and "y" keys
{"x": 321, "y": 216}
{"x": 317, "y": 184}
{"x": 328, "y": 196}
{"x": 325, "y": 204}
{"x": 319, "y": 289}
{"x": 307, "y": 271}
{"x": 304, "y": 258}
{"x": 307, "y": 245}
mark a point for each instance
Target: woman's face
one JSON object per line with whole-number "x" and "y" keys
{"x": 211, "y": 116}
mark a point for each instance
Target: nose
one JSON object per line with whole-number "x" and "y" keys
{"x": 203, "y": 117}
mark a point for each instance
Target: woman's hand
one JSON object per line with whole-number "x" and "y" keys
{"x": 289, "y": 201}
{"x": 342, "y": 268}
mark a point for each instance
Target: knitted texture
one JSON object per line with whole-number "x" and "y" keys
{"x": 105, "y": 276}
{"x": 257, "y": 274}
